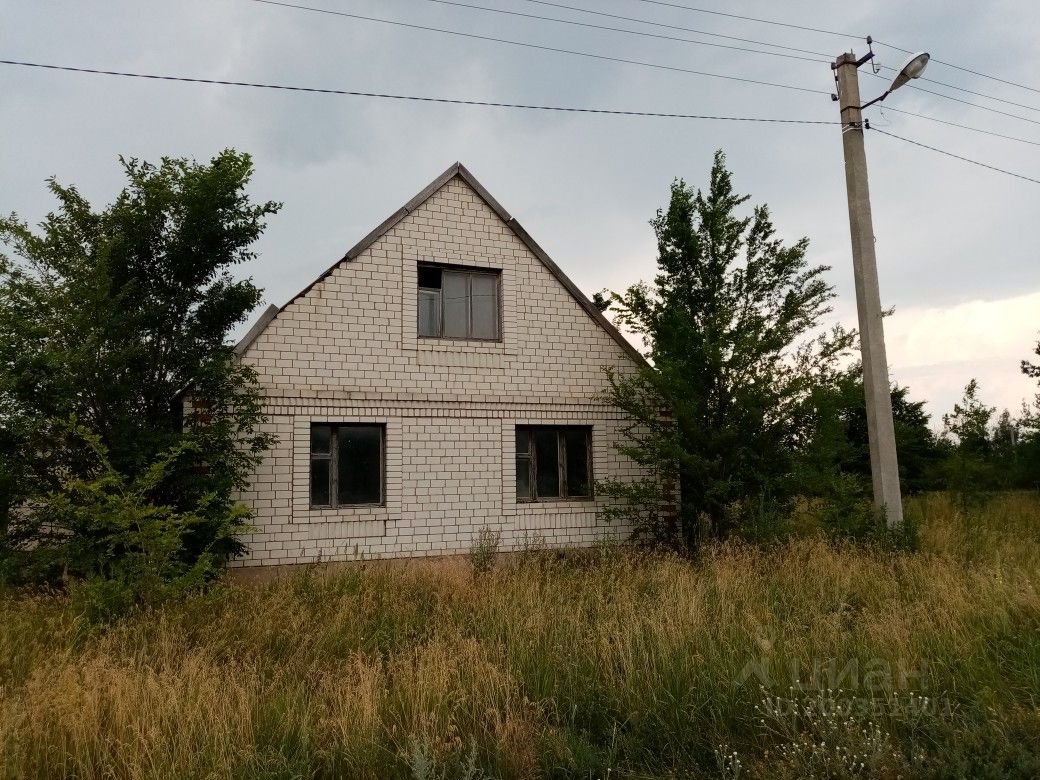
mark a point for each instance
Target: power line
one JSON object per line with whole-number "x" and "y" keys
{"x": 966, "y": 90}
{"x": 458, "y": 4}
{"x": 750, "y": 18}
{"x": 962, "y": 127}
{"x": 662, "y": 25}
{"x": 965, "y": 102}
{"x": 837, "y": 33}
{"x": 814, "y": 59}
{"x": 541, "y": 47}
{"x": 417, "y": 98}
{"x": 956, "y": 156}
{"x": 484, "y": 103}
{"x": 963, "y": 69}
{"x": 826, "y": 58}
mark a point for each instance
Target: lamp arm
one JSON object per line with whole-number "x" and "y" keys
{"x": 878, "y": 99}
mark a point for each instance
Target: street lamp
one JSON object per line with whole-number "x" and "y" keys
{"x": 884, "y": 463}
{"x": 912, "y": 69}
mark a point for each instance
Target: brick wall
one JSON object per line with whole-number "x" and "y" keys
{"x": 347, "y": 351}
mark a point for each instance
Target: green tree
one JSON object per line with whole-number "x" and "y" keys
{"x": 970, "y": 470}
{"x": 840, "y": 445}
{"x": 1029, "y": 439}
{"x": 718, "y": 410}
{"x": 105, "y": 316}
{"x": 969, "y": 423}
{"x": 1032, "y": 369}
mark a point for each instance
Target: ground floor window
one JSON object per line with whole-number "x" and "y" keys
{"x": 346, "y": 464}
{"x": 553, "y": 462}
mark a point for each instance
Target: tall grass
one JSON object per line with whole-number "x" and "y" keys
{"x": 607, "y": 663}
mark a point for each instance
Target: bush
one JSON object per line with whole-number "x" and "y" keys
{"x": 848, "y": 513}
{"x": 107, "y": 538}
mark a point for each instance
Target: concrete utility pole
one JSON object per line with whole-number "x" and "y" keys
{"x": 884, "y": 466}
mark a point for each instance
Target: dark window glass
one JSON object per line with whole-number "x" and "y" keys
{"x": 576, "y": 446}
{"x": 553, "y": 462}
{"x": 430, "y": 277}
{"x": 458, "y": 304}
{"x": 547, "y": 463}
{"x": 321, "y": 439}
{"x": 320, "y": 474}
{"x": 359, "y": 467}
{"x": 346, "y": 464}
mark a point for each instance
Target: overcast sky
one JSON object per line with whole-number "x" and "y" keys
{"x": 956, "y": 244}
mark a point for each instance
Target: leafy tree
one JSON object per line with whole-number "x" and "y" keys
{"x": 719, "y": 409}
{"x": 970, "y": 470}
{"x": 1029, "y": 439}
{"x": 969, "y": 422}
{"x": 1032, "y": 369}
{"x": 105, "y": 316}
{"x": 840, "y": 444}
{"x": 1005, "y": 435}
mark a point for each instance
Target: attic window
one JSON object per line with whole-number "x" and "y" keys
{"x": 458, "y": 303}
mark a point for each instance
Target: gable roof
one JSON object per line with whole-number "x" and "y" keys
{"x": 456, "y": 170}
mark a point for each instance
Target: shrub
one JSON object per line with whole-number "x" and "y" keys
{"x": 108, "y": 539}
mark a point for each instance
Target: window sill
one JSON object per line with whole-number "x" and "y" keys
{"x": 347, "y": 515}
{"x": 455, "y": 340}
{"x": 330, "y": 508}
{"x": 560, "y": 500}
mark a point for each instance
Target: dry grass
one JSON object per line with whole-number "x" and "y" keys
{"x": 583, "y": 665}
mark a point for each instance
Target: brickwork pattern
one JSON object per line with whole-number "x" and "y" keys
{"x": 347, "y": 351}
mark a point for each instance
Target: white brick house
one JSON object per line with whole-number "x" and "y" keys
{"x": 442, "y": 377}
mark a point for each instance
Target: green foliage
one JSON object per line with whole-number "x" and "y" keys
{"x": 117, "y": 545}
{"x": 105, "y": 318}
{"x": 838, "y": 445}
{"x": 727, "y": 320}
{"x": 1028, "y": 449}
{"x": 847, "y": 512}
{"x": 644, "y": 505}
{"x": 969, "y": 422}
{"x": 983, "y": 457}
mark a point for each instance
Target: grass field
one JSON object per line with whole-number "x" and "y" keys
{"x": 801, "y": 660}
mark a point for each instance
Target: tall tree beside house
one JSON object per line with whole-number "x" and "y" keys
{"x": 105, "y": 316}
{"x": 719, "y": 410}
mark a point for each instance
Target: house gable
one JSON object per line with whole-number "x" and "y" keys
{"x": 457, "y": 170}
{"x": 346, "y": 352}
{"x": 354, "y": 331}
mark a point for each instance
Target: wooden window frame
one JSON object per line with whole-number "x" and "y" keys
{"x": 467, "y": 271}
{"x": 332, "y": 457}
{"x": 561, "y": 443}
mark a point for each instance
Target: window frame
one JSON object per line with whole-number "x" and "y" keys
{"x": 468, "y": 271}
{"x": 332, "y": 457}
{"x": 561, "y": 463}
